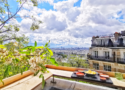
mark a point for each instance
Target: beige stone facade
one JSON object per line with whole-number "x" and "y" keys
{"x": 108, "y": 52}
{"x": 115, "y": 67}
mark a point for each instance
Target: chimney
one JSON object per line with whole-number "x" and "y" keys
{"x": 93, "y": 38}
{"x": 116, "y": 35}
{"x": 123, "y": 33}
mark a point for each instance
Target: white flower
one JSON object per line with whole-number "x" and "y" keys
{"x": 3, "y": 50}
{"x": 16, "y": 51}
{"x": 39, "y": 60}
{"x": 8, "y": 61}
{"x": 15, "y": 44}
{"x": 33, "y": 69}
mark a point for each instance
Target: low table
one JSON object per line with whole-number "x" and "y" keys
{"x": 95, "y": 78}
{"x": 68, "y": 74}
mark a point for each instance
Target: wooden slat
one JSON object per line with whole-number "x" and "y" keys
{"x": 14, "y": 78}
{"x": 111, "y": 74}
{"x": 27, "y": 84}
{"x": 61, "y": 68}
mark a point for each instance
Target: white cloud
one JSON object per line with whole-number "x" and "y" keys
{"x": 106, "y": 2}
{"x": 69, "y": 25}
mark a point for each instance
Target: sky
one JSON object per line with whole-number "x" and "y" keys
{"x": 70, "y": 23}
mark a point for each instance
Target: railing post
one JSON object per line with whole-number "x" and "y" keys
{"x": 53, "y": 81}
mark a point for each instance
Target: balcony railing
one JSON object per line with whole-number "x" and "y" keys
{"x": 94, "y": 45}
{"x": 100, "y": 58}
{"x": 121, "y": 60}
{"x": 115, "y": 45}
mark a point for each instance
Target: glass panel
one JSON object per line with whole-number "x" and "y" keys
{"x": 96, "y": 66}
{"x": 107, "y": 68}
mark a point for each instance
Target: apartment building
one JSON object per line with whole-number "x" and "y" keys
{"x": 108, "y": 52}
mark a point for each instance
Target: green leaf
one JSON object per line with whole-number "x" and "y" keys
{"x": 41, "y": 76}
{"x": 43, "y": 67}
{"x": 10, "y": 73}
{"x": 42, "y": 54}
{"x": 17, "y": 0}
{"x": 21, "y": 71}
{"x": 46, "y": 45}
{"x": 16, "y": 28}
{"x": 25, "y": 52}
{"x": 7, "y": 71}
{"x": 26, "y": 68}
{"x": 50, "y": 51}
{"x": 33, "y": 49}
{"x": 20, "y": 2}
{"x": 26, "y": 48}
{"x": 2, "y": 81}
{"x": 2, "y": 46}
{"x": 36, "y": 73}
{"x": 47, "y": 71}
{"x": 35, "y": 44}
{"x": 43, "y": 81}
{"x": 39, "y": 47}
{"x": 53, "y": 61}
{"x": 17, "y": 60}
{"x": 6, "y": 5}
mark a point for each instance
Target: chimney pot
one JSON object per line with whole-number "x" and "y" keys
{"x": 116, "y": 35}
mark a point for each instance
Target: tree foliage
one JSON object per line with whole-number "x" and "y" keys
{"x": 8, "y": 30}
{"x": 77, "y": 61}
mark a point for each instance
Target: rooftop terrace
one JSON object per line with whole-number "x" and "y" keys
{"x": 28, "y": 82}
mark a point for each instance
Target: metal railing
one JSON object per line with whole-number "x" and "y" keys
{"x": 121, "y": 60}
{"x": 97, "y": 45}
{"x": 100, "y": 58}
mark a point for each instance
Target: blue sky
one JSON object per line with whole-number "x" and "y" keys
{"x": 71, "y": 23}
{"x": 43, "y": 5}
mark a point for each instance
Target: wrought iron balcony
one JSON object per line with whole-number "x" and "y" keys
{"x": 100, "y": 58}
{"x": 121, "y": 60}
{"x": 94, "y": 45}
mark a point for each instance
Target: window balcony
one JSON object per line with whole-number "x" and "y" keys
{"x": 95, "y": 45}
{"x": 121, "y": 60}
{"x": 100, "y": 58}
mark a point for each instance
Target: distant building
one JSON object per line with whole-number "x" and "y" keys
{"x": 108, "y": 52}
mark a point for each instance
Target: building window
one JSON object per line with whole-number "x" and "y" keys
{"x": 96, "y": 54}
{"x": 107, "y": 55}
{"x": 124, "y": 55}
{"x": 101, "y": 42}
{"x": 107, "y": 68}
{"x": 96, "y": 66}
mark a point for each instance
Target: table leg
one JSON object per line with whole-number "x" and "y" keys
{"x": 53, "y": 80}
{"x": 120, "y": 89}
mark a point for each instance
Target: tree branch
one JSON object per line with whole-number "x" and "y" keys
{"x": 8, "y": 8}
{"x": 2, "y": 26}
{"x": 7, "y": 39}
{"x": 5, "y": 31}
{"x": 11, "y": 16}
